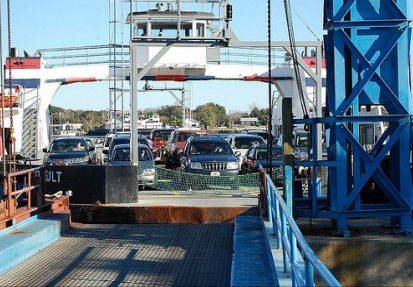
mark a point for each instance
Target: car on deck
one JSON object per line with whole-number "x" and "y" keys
{"x": 257, "y": 155}
{"x": 258, "y": 132}
{"x": 147, "y": 173}
{"x": 176, "y": 144}
{"x": 159, "y": 138}
{"x": 70, "y": 151}
{"x": 124, "y": 139}
{"x": 242, "y": 142}
{"x": 209, "y": 156}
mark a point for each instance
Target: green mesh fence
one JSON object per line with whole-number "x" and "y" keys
{"x": 172, "y": 180}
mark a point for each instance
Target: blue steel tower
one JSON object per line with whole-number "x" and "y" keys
{"x": 367, "y": 51}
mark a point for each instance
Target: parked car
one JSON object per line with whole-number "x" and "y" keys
{"x": 257, "y": 155}
{"x": 176, "y": 144}
{"x": 159, "y": 138}
{"x": 69, "y": 151}
{"x": 107, "y": 143}
{"x": 257, "y": 132}
{"x": 302, "y": 144}
{"x": 147, "y": 172}
{"x": 209, "y": 156}
{"x": 145, "y": 133}
{"x": 242, "y": 142}
{"x": 125, "y": 139}
{"x": 221, "y": 135}
{"x": 92, "y": 148}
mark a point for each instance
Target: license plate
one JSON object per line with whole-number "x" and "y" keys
{"x": 215, "y": 173}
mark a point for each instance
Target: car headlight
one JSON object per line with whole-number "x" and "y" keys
{"x": 50, "y": 161}
{"x": 232, "y": 165}
{"x": 196, "y": 165}
{"x": 149, "y": 172}
{"x": 77, "y": 160}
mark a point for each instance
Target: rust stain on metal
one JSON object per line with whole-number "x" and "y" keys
{"x": 155, "y": 214}
{"x": 18, "y": 232}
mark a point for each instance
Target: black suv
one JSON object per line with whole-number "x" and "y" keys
{"x": 70, "y": 151}
{"x": 209, "y": 156}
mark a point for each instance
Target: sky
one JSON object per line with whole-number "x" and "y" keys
{"x": 38, "y": 24}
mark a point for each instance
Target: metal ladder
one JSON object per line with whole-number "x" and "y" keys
{"x": 30, "y": 122}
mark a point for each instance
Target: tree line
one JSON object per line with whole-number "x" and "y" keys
{"x": 210, "y": 116}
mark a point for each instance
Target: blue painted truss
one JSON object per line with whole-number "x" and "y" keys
{"x": 367, "y": 51}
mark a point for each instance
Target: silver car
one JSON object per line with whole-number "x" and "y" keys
{"x": 121, "y": 157}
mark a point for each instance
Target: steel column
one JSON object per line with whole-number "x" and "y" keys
{"x": 368, "y": 51}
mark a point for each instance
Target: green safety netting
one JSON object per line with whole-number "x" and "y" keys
{"x": 172, "y": 180}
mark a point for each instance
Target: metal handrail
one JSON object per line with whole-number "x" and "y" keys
{"x": 292, "y": 241}
{"x": 12, "y": 192}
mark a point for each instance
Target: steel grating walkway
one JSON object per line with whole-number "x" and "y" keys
{"x": 131, "y": 255}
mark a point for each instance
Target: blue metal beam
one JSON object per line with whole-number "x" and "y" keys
{"x": 367, "y": 53}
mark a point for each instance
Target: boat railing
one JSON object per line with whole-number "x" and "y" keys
{"x": 289, "y": 237}
{"x": 22, "y": 182}
{"x": 86, "y": 55}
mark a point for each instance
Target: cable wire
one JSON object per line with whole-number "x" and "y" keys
{"x": 294, "y": 56}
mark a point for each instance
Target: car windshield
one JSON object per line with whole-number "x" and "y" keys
{"x": 68, "y": 146}
{"x": 182, "y": 137}
{"x": 247, "y": 142}
{"x": 205, "y": 147}
{"x": 123, "y": 154}
{"x": 277, "y": 153}
{"x": 122, "y": 140}
{"x": 163, "y": 135}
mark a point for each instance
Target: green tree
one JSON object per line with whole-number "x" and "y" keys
{"x": 170, "y": 115}
{"x": 211, "y": 115}
{"x": 261, "y": 114}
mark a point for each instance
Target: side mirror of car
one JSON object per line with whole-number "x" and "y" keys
{"x": 91, "y": 148}
{"x": 105, "y": 151}
{"x": 45, "y": 150}
{"x": 237, "y": 153}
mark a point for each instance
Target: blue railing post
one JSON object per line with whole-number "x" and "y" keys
{"x": 289, "y": 188}
{"x": 293, "y": 254}
{"x": 277, "y": 221}
{"x": 273, "y": 212}
{"x": 269, "y": 203}
{"x": 309, "y": 273}
{"x": 284, "y": 235}
{"x": 292, "y": 241}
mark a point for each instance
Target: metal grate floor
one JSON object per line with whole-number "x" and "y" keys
{"x": 131, "y": 255}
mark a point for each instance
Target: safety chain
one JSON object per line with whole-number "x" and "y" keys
{"x": 269, "y": 121}
{"x": 12, "y": 140}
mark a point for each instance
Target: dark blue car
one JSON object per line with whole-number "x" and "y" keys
{"x": 257, "y": 155}
{"x": 209, "y": 156}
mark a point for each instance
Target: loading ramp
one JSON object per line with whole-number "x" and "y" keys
{"x": 131, "y": 255}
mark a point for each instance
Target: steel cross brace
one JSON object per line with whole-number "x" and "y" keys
{"x": 399, "y": 108}
{"x": 373, "y": 168}
{"x": 347, "y": 6}
{"x": 359, "y": 87}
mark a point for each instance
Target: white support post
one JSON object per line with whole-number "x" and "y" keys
{"x": 135, "y": 77}
{"x": 134, "y": 106}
